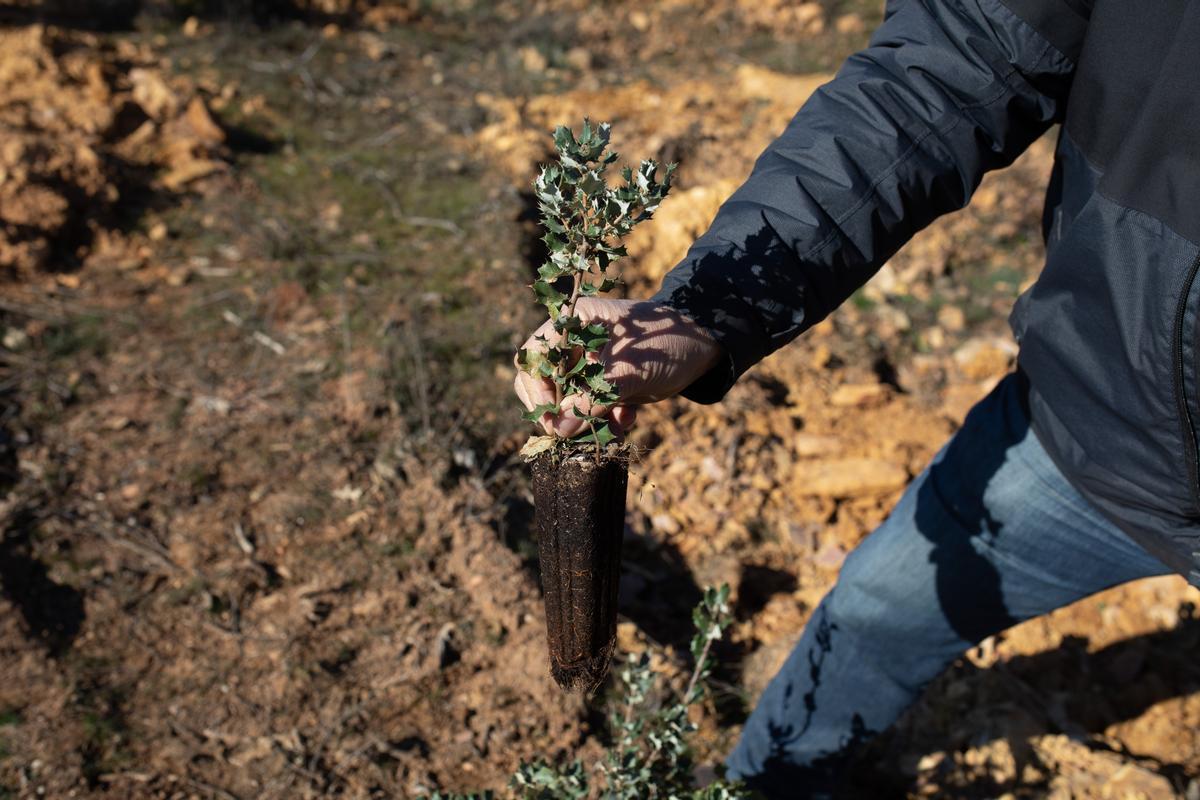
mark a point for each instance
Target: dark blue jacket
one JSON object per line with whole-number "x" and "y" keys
{"x": 947, "y": 90}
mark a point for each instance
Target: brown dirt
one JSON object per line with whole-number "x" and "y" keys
{"x": 88, "y": 127}
{"x": 265, "y": 532}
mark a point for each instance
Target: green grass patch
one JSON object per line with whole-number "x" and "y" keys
{"x": 82, "y": 335}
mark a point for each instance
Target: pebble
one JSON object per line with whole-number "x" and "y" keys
{"x": 952, "y": 318}
{"x": 532, "y": 59}
{"x": 982, "y": 358}
{"x": 848, "y": 477}
{"x": 860, "y": 395}
{"x": 810, "y": 444}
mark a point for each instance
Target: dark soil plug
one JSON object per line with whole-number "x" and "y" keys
{"x": 580, "y": 509}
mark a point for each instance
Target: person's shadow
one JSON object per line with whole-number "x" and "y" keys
{"x": 1066, "y": 691}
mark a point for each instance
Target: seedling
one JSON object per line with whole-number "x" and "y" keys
{"x": 585, "y": 221}
{"x": 579, "y": 483}
{"x": 651, "y": 754}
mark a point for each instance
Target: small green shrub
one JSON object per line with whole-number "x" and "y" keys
{"x": 585, "y": 221}
{"x": 651, "y": 754}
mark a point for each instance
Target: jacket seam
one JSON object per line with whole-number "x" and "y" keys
{"x": 1049, "y": 44}
{"x": 900, "y": 161}
{"x": 1006, "y": 89}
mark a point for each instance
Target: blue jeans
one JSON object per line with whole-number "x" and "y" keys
{"x": 989, "y": 535}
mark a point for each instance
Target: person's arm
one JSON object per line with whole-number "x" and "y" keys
{"x": 946, "y": 90}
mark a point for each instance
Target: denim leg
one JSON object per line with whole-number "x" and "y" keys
{"x": 989, "y": 535}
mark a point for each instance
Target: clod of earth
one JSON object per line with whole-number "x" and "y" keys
{"x": 580, "y": 504}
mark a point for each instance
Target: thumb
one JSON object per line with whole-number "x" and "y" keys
{"x": 567, "y": 423}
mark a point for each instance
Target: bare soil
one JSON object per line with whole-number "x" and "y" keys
{"x": 265, "y": 531}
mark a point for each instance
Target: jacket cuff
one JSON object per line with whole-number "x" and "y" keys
{"x": 731, "y": 330}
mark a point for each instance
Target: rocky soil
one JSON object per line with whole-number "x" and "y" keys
{"x": 265, "y": 532}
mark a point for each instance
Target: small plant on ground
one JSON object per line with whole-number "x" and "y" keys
{"x": 651, "y": 754}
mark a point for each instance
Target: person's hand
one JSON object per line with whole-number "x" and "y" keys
{"x": 653, "y": 352}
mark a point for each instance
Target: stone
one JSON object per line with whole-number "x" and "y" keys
{"x": 952, "y": 318}
{"x": 202, "y": 124}
{"x": 810, "y": 444}
{"x": 934, "y": 337}
{"x": 848, "y": 24}
{"x": 848, "y": 477}
{"x": 532, "y": 59}
{"x": 860, "y": 395}
{"x": 152, "y": 93}
{"x": 664, "y": 523}
{"x": 810, "y": 17}
{"x": 579, "y": 58}
{"x": 1082, "y": 772}
{"x": 982, "y": 358}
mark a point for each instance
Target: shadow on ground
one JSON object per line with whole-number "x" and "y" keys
{"x": 53, "y": 612}
{"x": 1066, "y": 691}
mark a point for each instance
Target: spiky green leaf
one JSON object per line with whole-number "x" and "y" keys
{"x": 537, "y": 412}
{"x": 601, "y": 437}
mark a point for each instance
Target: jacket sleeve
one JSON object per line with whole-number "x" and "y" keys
{"x": 946, "y": 90}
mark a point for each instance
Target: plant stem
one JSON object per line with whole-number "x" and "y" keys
{"x": 595, "y": 439}
{"x": 708, "y": 640}
{"x": 561, "y": 369}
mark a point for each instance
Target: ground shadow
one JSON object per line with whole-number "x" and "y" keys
{"x": 658, "y": 589}
{"x": 1066, "y": 690}
{"x": 89, "y": 15}
{"x": 9, "y": 473}
{"x": 53, "y": 612}
{"x": 757, "y": 585}
{"x": 106, "y": 16}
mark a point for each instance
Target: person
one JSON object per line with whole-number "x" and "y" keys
{"x": 1079, "y": 471}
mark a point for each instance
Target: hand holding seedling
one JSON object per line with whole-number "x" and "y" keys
{"x": 653, "y": 352}
{"x": 593, "y": 355}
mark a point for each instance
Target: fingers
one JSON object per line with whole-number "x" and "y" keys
{"x": 623, "y": 371}
{"x": 519, "y": 388}
{"x": 567, "y": 424}
{"x": 624, "y": 417}
{"x": 621, "y": 418}
{"x": 534, "y": 392}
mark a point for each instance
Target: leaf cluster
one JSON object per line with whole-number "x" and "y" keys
{"x": 585, "y": 220}
{"x": 651, "y": 756}
{"x": 710, "y": 618}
